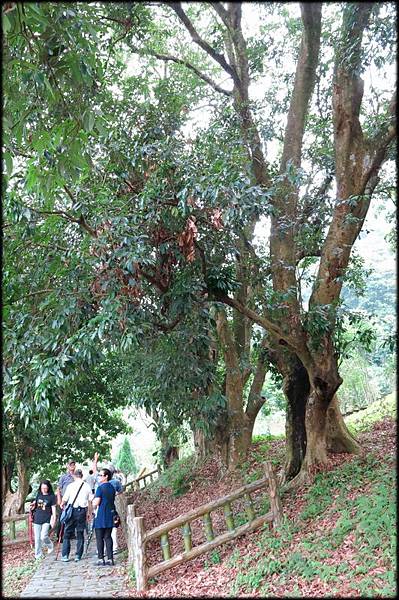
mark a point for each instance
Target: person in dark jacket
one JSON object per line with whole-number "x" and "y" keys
{"x": 103, "y": 522}
{"x": 44, "y": 515}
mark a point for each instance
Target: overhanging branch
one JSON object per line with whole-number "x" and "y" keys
{"x": 219, "y": 58}
{"x": 282, "y": 338}
{"x": 180, "y": 61}
{"x": 381, "y": 142}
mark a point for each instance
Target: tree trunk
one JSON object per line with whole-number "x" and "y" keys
{"x": 14, "y": 502}
{"x": 339, "y": 438}
{"x": 169, "y": 452}
{"x": 229, "y": 441}
{"x": 201, "y": 444}
{"x": 6, "y": 476}
{"x": 316, "y": 421}
{"x": 296, "y": 389}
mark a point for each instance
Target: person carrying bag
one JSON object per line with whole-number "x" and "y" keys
{"x": 66, "y": 514}
{"x": 76, "y": 513}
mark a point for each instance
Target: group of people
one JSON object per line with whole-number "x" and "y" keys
{"x": 92, "y": 499}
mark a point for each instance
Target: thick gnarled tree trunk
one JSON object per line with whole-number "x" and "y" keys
{"x": 296, "y": 389}
{"x": 233, "y": 434}
{"x": 14, "y": 502}
{"x": 339, "y": 438}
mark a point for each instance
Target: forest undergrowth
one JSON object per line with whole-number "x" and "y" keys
{"x": 337, "y": 537}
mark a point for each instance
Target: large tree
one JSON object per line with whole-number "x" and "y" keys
{"x": 160, "y": 230}
{"x": 356, "y": 162}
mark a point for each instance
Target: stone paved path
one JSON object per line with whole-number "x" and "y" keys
{"x": 55, "y": 579}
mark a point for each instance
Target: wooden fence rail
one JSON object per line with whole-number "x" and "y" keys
{"x": 136, "y": 483}
{"x": 138, "y": 538}
{"x": 11, "y": 520}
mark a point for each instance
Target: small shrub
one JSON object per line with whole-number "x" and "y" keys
{"x": 177, "y": 477}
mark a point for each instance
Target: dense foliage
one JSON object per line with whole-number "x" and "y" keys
{"x": 130, "y": 228}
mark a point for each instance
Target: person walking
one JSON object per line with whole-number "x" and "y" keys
{"x": 64, "y": 480}
{"x": 44, "y": 516}
{"x": 103, "y": 522}
{"x": 79, "y": 493}
{"x": 117, "y": 485}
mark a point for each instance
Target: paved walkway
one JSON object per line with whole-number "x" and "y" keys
{"x": 55, "y": 579}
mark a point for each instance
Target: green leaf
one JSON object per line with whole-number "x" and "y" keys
{"x": 88, "y": 121}
{"x": 8, "y": 160}
{"x": 6, "y": 24}
{"x": 36, "y": 9}
{"x": 48, "y": 86}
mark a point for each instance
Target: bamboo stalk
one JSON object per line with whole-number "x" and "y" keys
{"x": 15, "y": 518}
{"x": 207, "y": 546}
{"x": 130, "y": 515}
{"x": 16, "y": 541}
{"x": 275, "y": 502}
{"x": 249, "y": 507}
{"x": 202, "y": 510}
{"x": 12, "y": 530}
{"x": 165, "y": 546}
{"x": 228, "y": 515}
{"x": 208, "y": 527}
{"x": 187, "y": 537}
{"x": 136, "y": 482}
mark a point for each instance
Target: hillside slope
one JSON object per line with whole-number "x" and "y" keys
{"x": 338, "y": 536}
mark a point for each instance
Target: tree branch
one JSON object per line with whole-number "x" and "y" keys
{"x": 180, "y": 61}
{"x": 222, "y": 12}
{"x": 33, "y": 294}
{"x": 62, "y": 213}
{"x": 305, "y": 77}
{"x": 81, "y": 220}
{"x": 255, "y": 400}
{"x": 165, "y": 327}
{"x": 226, "y": 339}
{"x": 154, "y": 281}
{"x": 282, "y": 338}
{"x": 381, "y": 142}
{"x": 219, "y": 58}
{"x": 203, "y": 260}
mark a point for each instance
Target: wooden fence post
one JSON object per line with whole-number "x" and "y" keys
{"x": 275, "y": 503}
{"x": 130, "y": 515}
{"x": 12, "y": 530}
{"x": 139, "y": 554}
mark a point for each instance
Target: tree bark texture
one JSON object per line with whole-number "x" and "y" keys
{"x": 296, "y": 389}
{"x": 339, "y": 438}
{"x": 14, "y": 502}
{"x": 233, "y": 434}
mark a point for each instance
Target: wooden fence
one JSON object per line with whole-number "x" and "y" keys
{"x": 12, "y": 531}
{"x": 143, "y": 479}
{"x": 138, "y": 538}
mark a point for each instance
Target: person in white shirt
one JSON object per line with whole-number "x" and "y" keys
{"x": 81, "y": 513}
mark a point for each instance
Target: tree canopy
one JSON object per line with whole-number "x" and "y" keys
{"x": 125, "y": 220}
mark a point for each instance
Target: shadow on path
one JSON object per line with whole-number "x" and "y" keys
{"x": 56, "y": 579}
